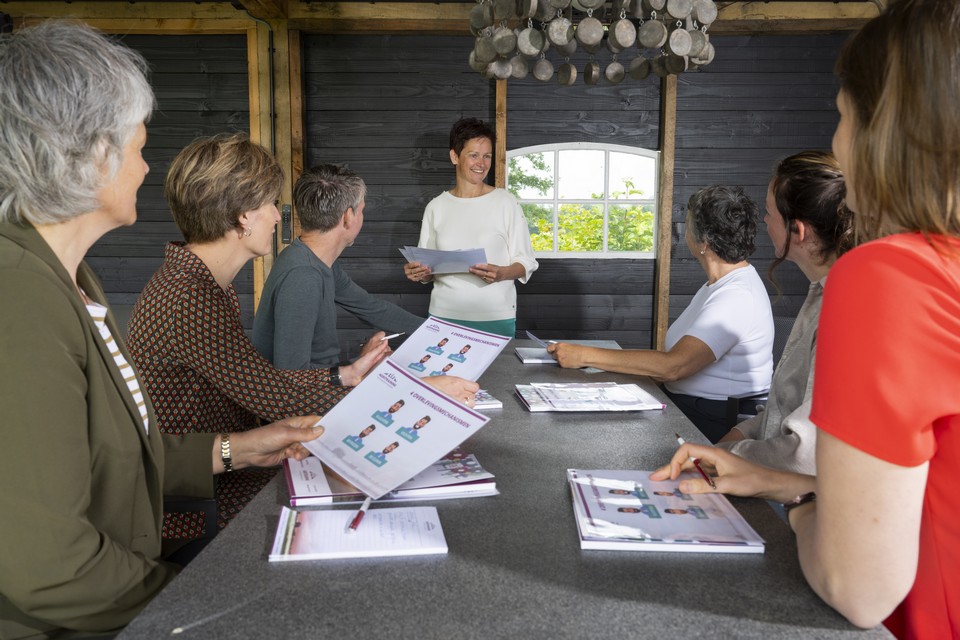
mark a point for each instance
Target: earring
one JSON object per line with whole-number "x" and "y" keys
{"x": 247, "y": 232}
{"x": 701, "y": 251}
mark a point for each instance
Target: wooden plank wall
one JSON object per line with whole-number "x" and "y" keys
{"x": 201, "y": 86}
{"x": 762, "y": 99}
{"x": 384, "y": 104}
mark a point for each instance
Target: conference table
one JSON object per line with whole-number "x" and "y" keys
{"x": 514, "y": 568}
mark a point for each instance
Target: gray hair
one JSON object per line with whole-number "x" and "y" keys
{"x": 71, "y": 99}
{"x": 324, "y": 193}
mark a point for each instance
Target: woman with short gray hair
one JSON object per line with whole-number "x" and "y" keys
{"x": 84, "y": 468}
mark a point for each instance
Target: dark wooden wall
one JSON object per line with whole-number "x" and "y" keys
{"x": 763, "y": 98}
{"x": 384, "y": 105}
{"x": 202, "y": 89}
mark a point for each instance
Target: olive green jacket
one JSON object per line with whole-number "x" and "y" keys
{"x": 81, "y": 482}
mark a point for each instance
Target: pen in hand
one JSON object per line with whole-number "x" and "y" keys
{"x": 696, "y": 463}
{"x": 392, "y": 335}
{"x": 357, "y": 518}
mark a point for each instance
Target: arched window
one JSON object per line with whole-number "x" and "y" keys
{"x": 586, "y": 200}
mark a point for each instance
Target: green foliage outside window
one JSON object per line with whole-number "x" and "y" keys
{"x": 630, "y": 227}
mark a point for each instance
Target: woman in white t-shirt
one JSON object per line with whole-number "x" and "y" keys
{"x": 721, "y": 345}
{"x": 473, "y": 214}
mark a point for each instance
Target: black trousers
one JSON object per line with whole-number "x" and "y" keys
{"x": 710, "y": 416}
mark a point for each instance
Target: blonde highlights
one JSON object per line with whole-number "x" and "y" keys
{"x": 901, "y": 75}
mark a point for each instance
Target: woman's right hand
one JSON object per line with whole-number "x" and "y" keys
{"x": 371, "y": 356}
{"x": 461, "y": 390}
{"x": 734, "y": 475}
{"x": 568, "y": 356}
{"x": 417, "y": 272}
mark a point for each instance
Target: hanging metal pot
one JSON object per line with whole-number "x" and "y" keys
{"x": 519, "y": 67}
{"x": 623, "y": 34}
{"x": 504, "y": 41}
{"x": 639, "y": 68}
{"x": 679, "y": 42}
{"x": 527, "y": 8}
{"x": 500, "y": 69}
{"x": 530, "y": 42}
{"x": 698, "y": 40}
{"x": 543, "y": 70}
{"x": 481, "y": 16}
{"x": 484, "y": 49}
{"x": 704, "y": 11}
{"x": 567, "y": 74}
{"x": 679, "y": 9}
{"x": 560, "y": 32}
{"x": 590, "y": 31}
{"x": 504, "y": 10}
{"x": 614, "y": 73}
{"x": 652, "y": 34}
{"x": 706, "y": 56}
{"x": 591, "y": 73}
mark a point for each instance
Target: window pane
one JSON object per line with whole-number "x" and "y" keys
{"x": 632, "y": 176}
{"x": 581, "y": 227}
{"x": 540, "y": 221}
{"x": 530, "y": 177}
{"x": 630, "y": 229}
{"x": 581, "y": 174}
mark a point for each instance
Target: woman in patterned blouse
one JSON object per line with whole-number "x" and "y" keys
{"x": 200, "y": 368}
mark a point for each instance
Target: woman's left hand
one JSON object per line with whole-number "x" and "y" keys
{"x": 268, "y": 446}
{"x": 489, "y": 273}
{"x": 463, "y": 391}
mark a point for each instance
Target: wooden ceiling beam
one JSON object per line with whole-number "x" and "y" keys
{"x": 399, "y": 17}
{"x": 265, "y": 9}
{"x": 139, "y": 17}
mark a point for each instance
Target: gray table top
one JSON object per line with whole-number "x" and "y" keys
{"x": 515, "y": 567}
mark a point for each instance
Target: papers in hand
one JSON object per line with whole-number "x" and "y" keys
{"x": 441, "y": 262}
{"x": 456, "y": 475}
{"x": 626, "y": 510}
{"x": 597, "y": 396}
{"x": 321, "y": 535}
{"x": 392, "y": 425}
{"x": 534, "y": 355}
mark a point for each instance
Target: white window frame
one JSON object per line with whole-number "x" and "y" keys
{"x": 651, "y": 202}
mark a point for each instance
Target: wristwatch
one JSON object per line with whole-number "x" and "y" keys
{"x": 225, "y": 455}
{"x": 803, "y": 498}
{"x": 335, "y": 377}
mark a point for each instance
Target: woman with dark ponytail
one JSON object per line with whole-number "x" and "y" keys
{"x": 809, "y": 223}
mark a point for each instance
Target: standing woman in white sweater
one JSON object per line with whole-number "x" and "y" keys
{"x": 474, "y": 214}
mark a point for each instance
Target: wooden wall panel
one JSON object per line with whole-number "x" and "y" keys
{"x": 200, "y": 83}
{"x": 763, "y": 98}
{"x": 384, "y": 104}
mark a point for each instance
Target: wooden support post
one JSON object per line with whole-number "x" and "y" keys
{"x": 297, "y": 150}
{"x": 668, "y": 132}
{"x": 261, "y": 120}
{"x": 500, "y": 153}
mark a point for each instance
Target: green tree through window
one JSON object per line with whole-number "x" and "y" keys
{"x": 584, "y": 200}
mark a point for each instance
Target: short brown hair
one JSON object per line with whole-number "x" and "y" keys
{"x": 901, "y": 74}
{"x": 215, "y": 180}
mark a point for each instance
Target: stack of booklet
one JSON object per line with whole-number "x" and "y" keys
{"x": 586, "y": 396}
{"x": 626, "y": 510}
{"x": 456, "y": 475}
{"x": 322, "y": 535}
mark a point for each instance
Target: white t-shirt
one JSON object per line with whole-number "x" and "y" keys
{"x": 733, "y": 317}
{"x": 493, "y": 221}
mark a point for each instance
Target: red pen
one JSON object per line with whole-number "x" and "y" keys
{"x": 357, "y": 518}
{"x": 696, "y": 463}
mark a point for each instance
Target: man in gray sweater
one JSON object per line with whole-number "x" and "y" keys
{"x": 296, "y": 324}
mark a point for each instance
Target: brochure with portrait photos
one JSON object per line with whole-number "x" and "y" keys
{"x": 625, "y": 510}
{"x": 441, "y": 348}
{"x": 389, "y": 428}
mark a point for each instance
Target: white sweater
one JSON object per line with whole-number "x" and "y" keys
{"x": 493, "y": 221}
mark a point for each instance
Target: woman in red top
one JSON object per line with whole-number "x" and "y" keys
{"x": 881, "y": 541}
